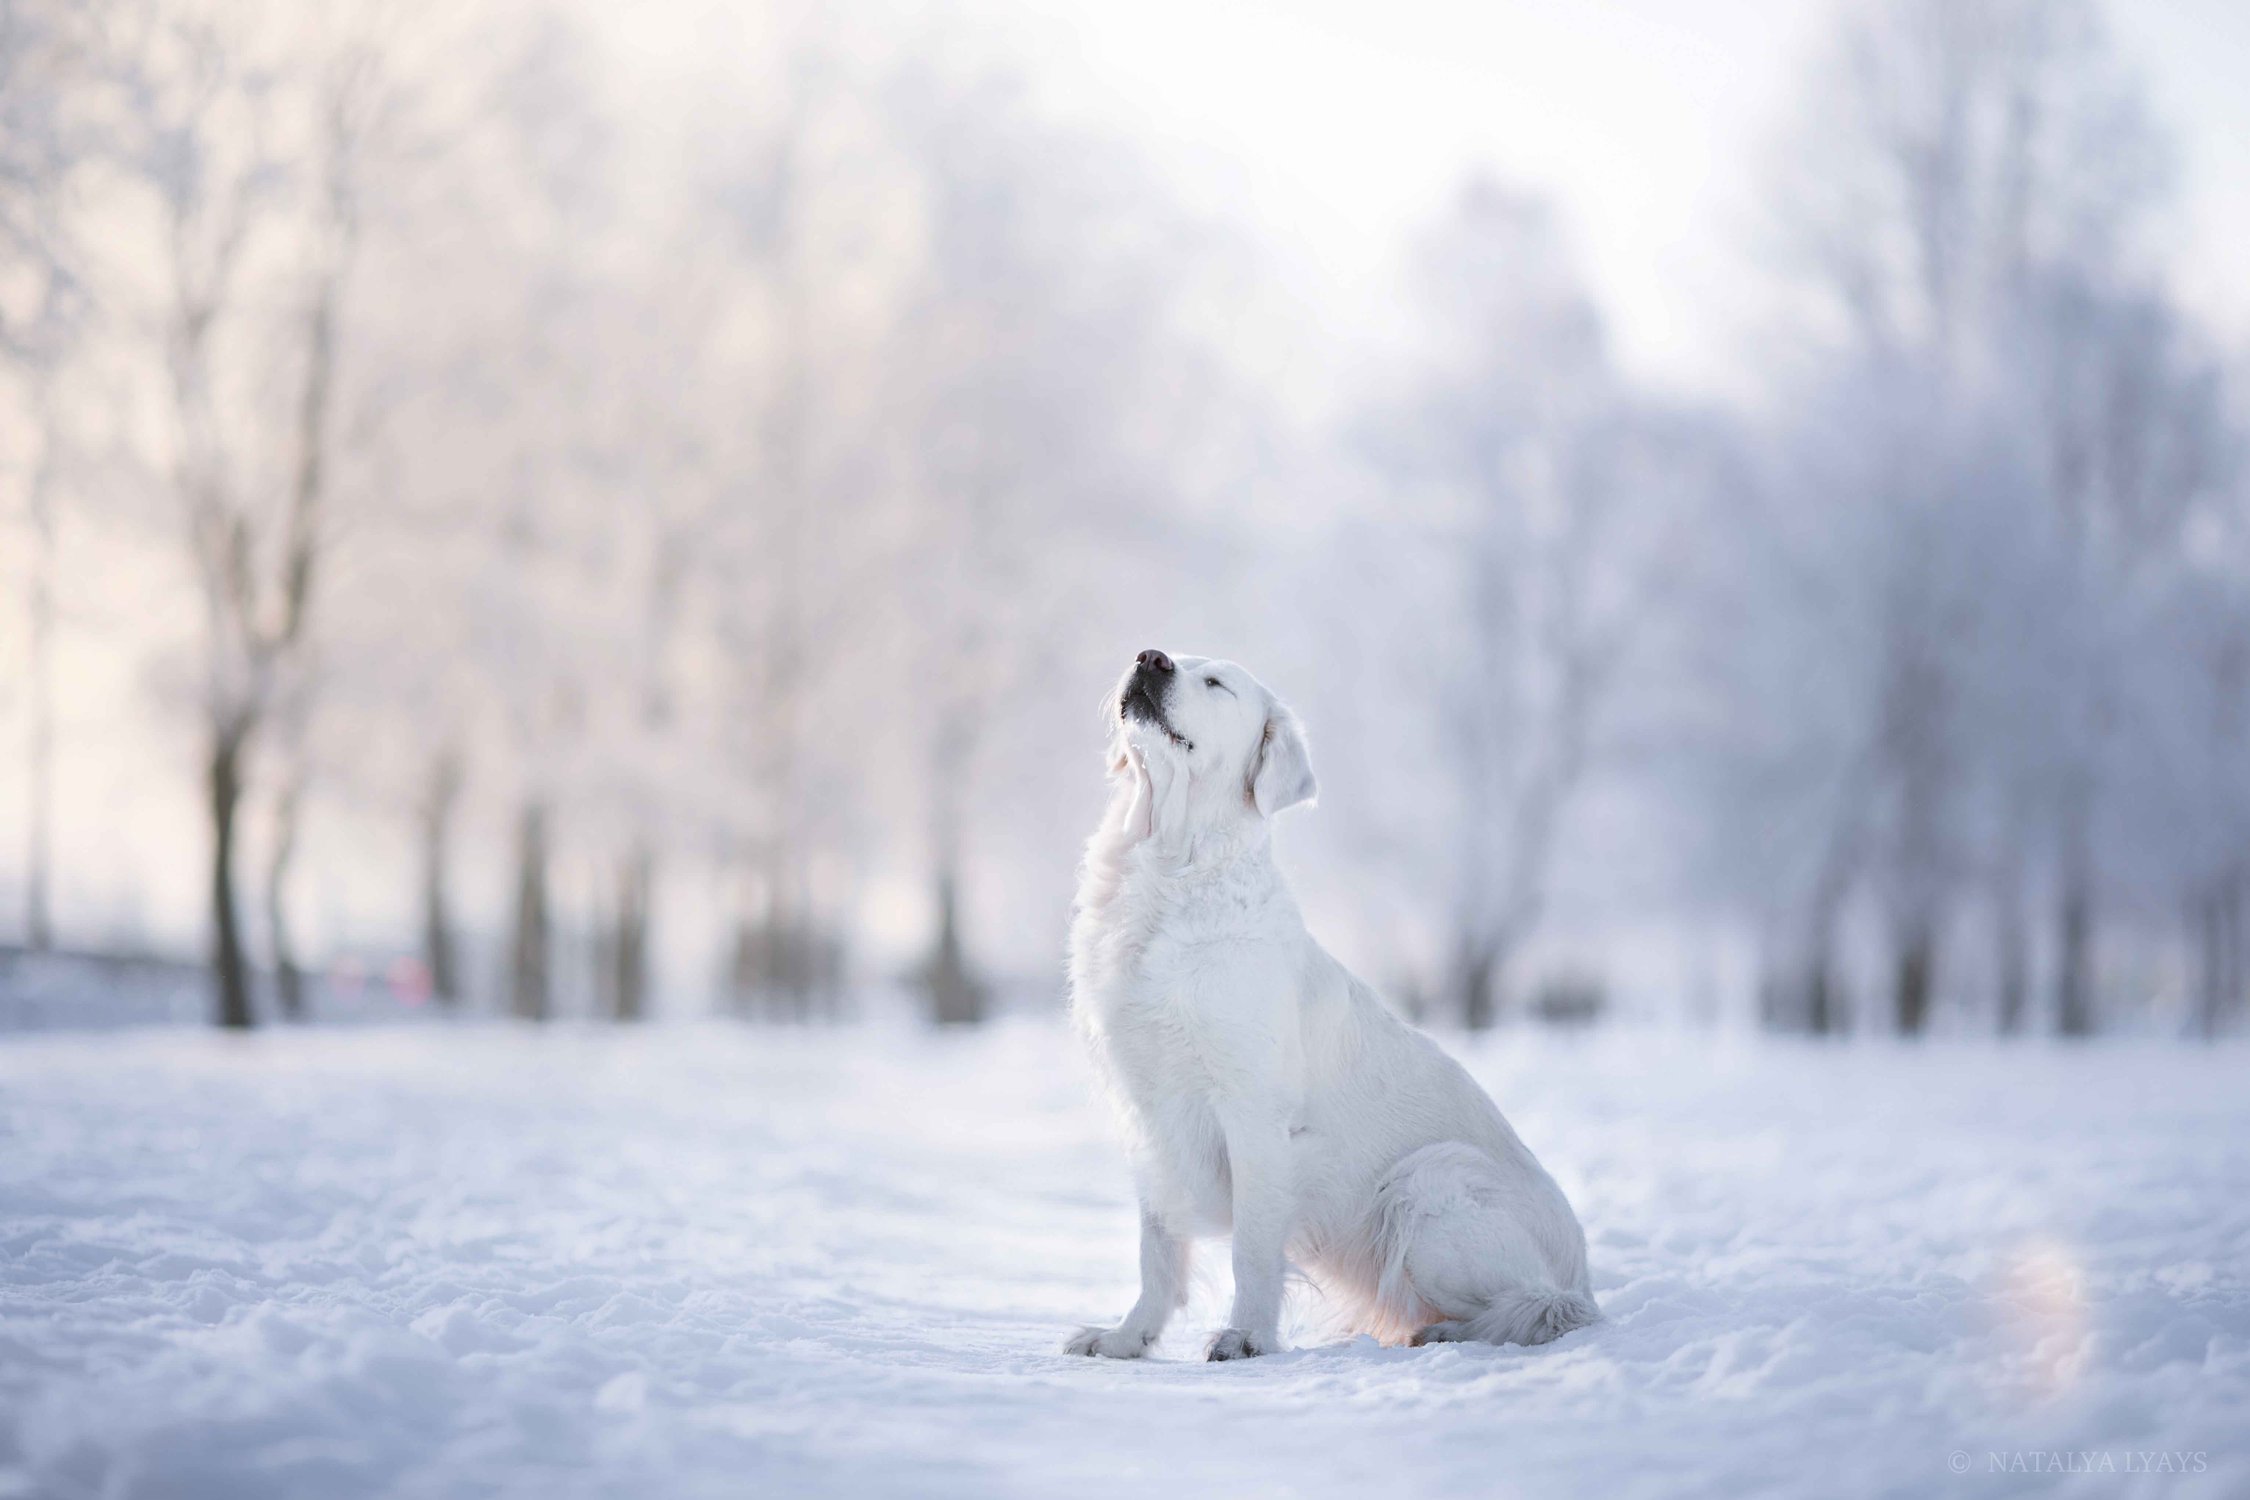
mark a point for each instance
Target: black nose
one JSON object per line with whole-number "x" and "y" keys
{"x": 1154, "y": 661}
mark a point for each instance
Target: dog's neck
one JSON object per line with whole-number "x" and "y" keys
{"x": 1210, "y": 850}
{"x": 1137, "y": 878}
{"x": 1139, "y": 836}
{"x": 1184, "y": 826}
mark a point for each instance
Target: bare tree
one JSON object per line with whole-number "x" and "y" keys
{"x": 40, "y": 505}
{"x": 1528, "y": 445}
{"x": 346, "y": 101}
{"x": 217, "y": 100}
{"x": 45, "y": 51}
{"x": 778, "y": 533}
{"x": 1967, "y": 201}
{"x": 440, "y": 799}
{"x": 206, "y": 154}
{"x": 530, "y": 991}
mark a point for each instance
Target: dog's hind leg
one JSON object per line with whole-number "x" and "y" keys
{"x": 1474, "y": 1250}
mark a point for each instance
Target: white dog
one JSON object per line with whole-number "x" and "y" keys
{"x": 1267, "y": 1091}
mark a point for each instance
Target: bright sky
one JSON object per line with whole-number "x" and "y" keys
{"x": 1335, "y": 126}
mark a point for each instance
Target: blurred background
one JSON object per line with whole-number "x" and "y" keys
{"x": 540, "y": 507}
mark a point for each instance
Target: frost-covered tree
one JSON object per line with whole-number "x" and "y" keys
{"x": 240, "y": 130}
{"x": 1533, "y": 463}
{"x": 47, "y": 60}
{"x": 1038, "y": 317}
{"x": 2006, "y": 424}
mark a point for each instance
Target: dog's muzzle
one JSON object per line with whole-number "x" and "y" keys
{"x": 1145, "y": 690}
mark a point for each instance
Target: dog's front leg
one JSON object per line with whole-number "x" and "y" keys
{"x": 1164, "y": 1275}
{"x": 1264, "y": 1199}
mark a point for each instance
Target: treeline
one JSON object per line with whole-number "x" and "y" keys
{"x": 636, "y": 485}
{"x": 1996, "y": 546}
{"x": 701, "y": 499}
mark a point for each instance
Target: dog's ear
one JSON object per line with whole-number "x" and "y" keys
{"x": 1281, "y": 770}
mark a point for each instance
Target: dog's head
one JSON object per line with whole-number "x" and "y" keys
{"x": 1202, "y": 745}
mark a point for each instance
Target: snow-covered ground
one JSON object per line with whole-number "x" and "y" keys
{"x": 704, "y": 1260}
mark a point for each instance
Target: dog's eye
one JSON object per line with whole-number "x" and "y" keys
{"x": 1222, "y": 687}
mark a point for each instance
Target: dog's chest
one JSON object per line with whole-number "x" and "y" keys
{"x": 1166, "y": 1054}
{"x": 1159, "y": 992}
{"x": 1173, "y": 985}
{"x": 1147, "y": 1009}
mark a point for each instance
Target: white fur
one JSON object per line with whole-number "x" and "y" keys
{"x": 1269, "y": 1093}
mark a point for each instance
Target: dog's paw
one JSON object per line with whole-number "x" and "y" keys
{"x": 1444, "y": 1333}
{"x": 1233, "y": 1343}
{"x": 1108, "y": 1343}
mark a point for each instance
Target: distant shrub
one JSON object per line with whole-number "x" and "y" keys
{"x": 1570, "y": 1001}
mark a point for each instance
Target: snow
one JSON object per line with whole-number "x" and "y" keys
{"x": 706, "y": 1260}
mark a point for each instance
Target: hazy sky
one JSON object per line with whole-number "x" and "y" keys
{"x": 1333, "y": 125}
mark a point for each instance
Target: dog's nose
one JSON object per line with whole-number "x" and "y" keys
{"x": 1154, "y": 661}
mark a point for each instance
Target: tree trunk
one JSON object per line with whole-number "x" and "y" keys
{"x": 38, "y": 855}
{"x": 288, "y": 978}
{"x": 956, "y": 998}
{"x": 627, "y": 979}
{"x": 755, "y": 972}
{"x": 827, "y": 971}
{"x": 2074, "y": 981}
{"x": 1478, "y": 970}
{"x": 230, "y": 971}
{"x": 2013, "y": 944}
{"x": 2074, "y": 990}
{"x": 1917, "y": 971}
{"x": 438, "y": 956}
{"x": 2207, "y": 921}
{"x": 2215, "y": 917}
{"x": 784, "y": 965}
{"x": 529, "y": 979}
{"x": 1823, "y": 1013}
{"x": 2230, "y": 948}
{"x": 768, "y": 982}
{"x": 1801, "y": 993}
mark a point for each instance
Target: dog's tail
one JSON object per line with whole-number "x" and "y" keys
{"x": 1524, "y": 1315}
{"x": 1534, "y": 1315}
